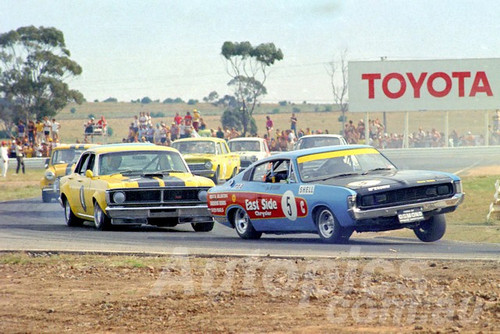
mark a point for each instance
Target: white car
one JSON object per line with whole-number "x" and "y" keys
{"x": 311, "y": 141}
{"x": 250, "y": 149}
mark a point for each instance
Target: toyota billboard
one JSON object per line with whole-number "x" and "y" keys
{"x": 418, "y": 85}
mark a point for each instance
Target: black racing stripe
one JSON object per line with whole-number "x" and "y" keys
{"x": 148, "y": 183}
{"x": 172, "y": 181}
{"x": 68, "y": 169}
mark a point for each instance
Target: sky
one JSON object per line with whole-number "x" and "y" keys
{"x": 130, "y": 49}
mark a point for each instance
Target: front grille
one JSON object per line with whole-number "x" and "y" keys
{"x": 196, "y": 166}
{"x": 405, "y": 196}
{"x": 159, "y": 196}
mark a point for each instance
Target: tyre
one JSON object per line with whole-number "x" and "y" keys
{"x": 46, "y": 198}
{"x": 215, "y": 178}
{"x": 431, "y": 229}
{"x": 203, "y": 227}
{"x": 69, "y": 216}
{"x": 101, "y": 221}
{"x": 244, "y": 226}
{"x": 329, "y": 229}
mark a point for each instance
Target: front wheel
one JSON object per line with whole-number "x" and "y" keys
{"x": 101, "y": 220}
{"x": 69, "y": 216}
{"x": 329, "y": 229}
{"x": 202, "y": 227}
{"x": 244, "y": 226}
{"x": 431, "y": 229}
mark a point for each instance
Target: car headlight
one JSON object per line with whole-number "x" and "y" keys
{"x": 208, "y": 165}
{"x": 351, "y": 202}
{"x": 458, "y": 187}
{"x": 202, "y": 195}
{"x": 49, "y": 175}
{"x": 119, "y": 197}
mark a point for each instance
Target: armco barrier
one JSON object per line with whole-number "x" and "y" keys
{"x": 34, "y": 163}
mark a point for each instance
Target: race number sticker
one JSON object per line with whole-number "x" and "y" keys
{"x": 288, "y": 205}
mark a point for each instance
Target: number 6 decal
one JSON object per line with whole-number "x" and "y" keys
{"x": 288, "y": 205}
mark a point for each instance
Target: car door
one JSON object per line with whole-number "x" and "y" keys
{"x": 276, "y": 202}
{"x": 87, "y": 189}
{"x": 75, "y": 185}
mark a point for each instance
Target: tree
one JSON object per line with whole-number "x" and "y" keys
{"x": 339, "y": 90}
{"x": 248, "y": 66}
{"x": 212, "y": 96}
{"x": 34, "y": 63}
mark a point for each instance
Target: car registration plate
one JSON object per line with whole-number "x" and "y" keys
{"x": 410, "y": 215}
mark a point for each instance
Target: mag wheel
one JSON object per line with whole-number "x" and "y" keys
{"x": 244, "y": 226}
{"x": 329, "y": 229}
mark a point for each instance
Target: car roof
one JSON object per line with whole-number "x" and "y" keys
{"x": 246, "y": 139}
{"x": 73, "y": 146}
{"x": 322, "y": 135}
{"x": 130, "y": 147}
{"x": 213, "y": 139}
{"x": 321, "y": 149}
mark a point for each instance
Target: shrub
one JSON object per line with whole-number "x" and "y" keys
{"x": 192, "y": 102}
{"x": 111, "y": 99}
{"x": 146, "y": 100}
{"x": 296, "y": 110}
{"x": 73, "y": 110}
{"x": 282, "y": 103}
{"x": 109, "y": 131}
{"x": 275, "y": 111}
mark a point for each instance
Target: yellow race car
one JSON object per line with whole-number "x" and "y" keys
{"x": 61, "y": 162}
{"x": 209, "y": 156}
{"x": 134, "y": 184}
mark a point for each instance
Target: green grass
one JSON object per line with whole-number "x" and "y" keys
{"x": 21, "y": 185}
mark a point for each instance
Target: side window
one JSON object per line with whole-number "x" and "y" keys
{"x": 91, "y": 163}
{"x": 83, "y": 161}
{"x": 223, "y": 148}
{"x": 260, "y": 172}
{"x": 84, "y": 164}
{"x": 273, "y": 172}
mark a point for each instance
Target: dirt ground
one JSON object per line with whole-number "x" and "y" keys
{"x": 55, "y": 293}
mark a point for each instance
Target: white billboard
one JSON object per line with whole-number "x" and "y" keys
{"x": 417, "y": 85}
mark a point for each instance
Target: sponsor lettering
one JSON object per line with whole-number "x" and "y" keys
{"x": 217, "y": 203}
{"x": 437, "y": 84}
{"x": 306, "y": 190}
{"x": 379, "y": 187}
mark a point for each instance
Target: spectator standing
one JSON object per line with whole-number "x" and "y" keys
{"x": 177, "y": 118}
{"x": 293, "y": 124}
{"x": 4, "y": 158}
{"x": 143, "y": 120}
{"x": 269, "y": 125}
{"x": 19, "y": 156}
{"x": 219, "y": 133}
{"x": 47, "y": 125}
{"x": 174, "y": 131}
{"x": 188, "y": 119}
{"x": 101, "y": 124}
{"x": 89, "y": 129}
{"x": 31, "y": 132}
{"x": 55, "y": 130}
{"x": 196, "y": 119}
{"x": 20, "y": 129}
{"x": 39, "y": 131}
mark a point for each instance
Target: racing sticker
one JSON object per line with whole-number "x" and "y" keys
{"x": 306, "y": 190}
{"x": 82, "y": 199}
{"x": 288, "y": 205}
{"x": 362, "y": 184}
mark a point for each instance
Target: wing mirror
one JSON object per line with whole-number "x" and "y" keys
{"x": 89, "y": 174}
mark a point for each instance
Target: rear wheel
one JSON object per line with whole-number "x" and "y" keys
{"x": 244, "y": 226}
{"x": 69, "y": 216}
{"x": 329, "y": 229}
{"x": 431, "y": 229}
{"x": 101, "y": 221}
{"x": 203, "y": 227}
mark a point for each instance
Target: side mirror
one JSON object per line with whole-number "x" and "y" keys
{"x": 47, "y": 163}
{"x": 89, "y": 174}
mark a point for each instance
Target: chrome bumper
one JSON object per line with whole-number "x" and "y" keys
{"x": 393, "y": 210}
{"x": 197, "y": 211}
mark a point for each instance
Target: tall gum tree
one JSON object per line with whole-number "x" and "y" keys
{"x": 34, "y": 64}
{"x": 248, "y": 67}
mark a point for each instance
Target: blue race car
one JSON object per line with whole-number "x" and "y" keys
{"x": 334, "y": 191}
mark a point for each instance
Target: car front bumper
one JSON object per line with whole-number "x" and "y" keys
{"x": 197, "y": 213}
{"x": 431, "y": 206}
